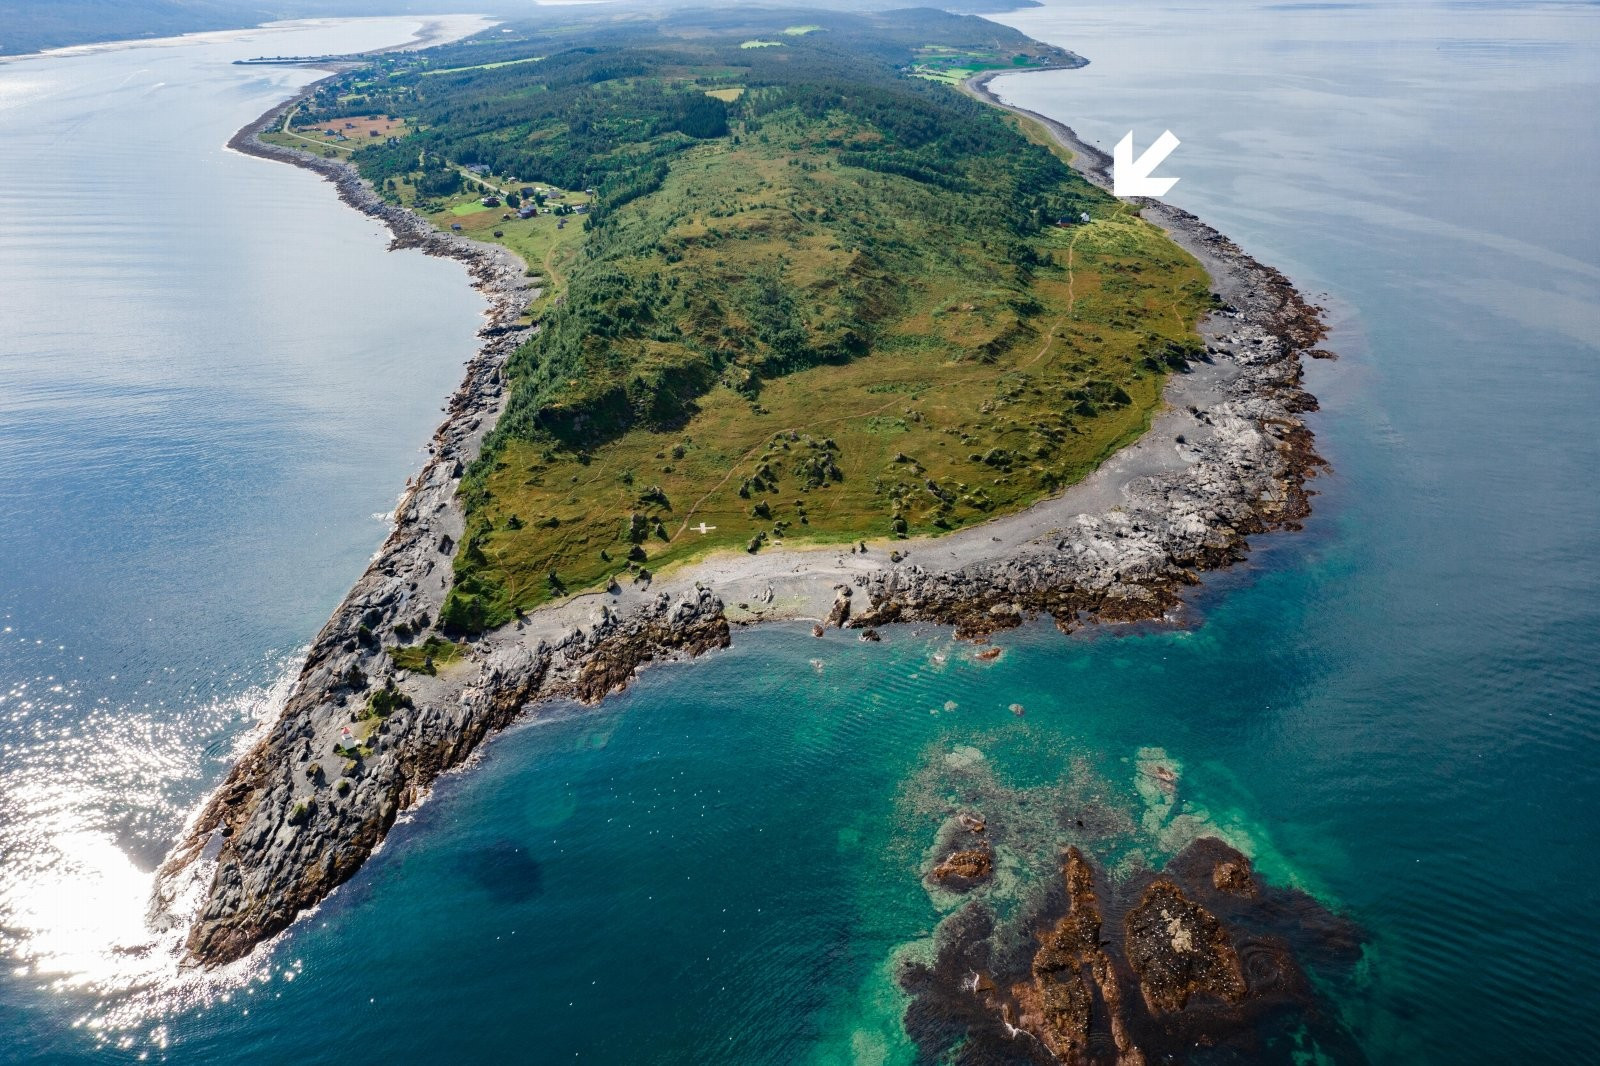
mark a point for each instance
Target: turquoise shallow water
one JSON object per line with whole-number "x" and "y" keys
{"x": 1397, "y": 709}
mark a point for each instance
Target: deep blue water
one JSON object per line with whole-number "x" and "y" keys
{"x": 1397, "y": 709}
{"x": 214, "y": 382}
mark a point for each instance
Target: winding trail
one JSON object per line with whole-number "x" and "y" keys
{"x": 1050, "y": 332}
{"x": 288, "y": 131}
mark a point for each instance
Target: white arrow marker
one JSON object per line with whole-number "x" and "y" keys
{"x": 1130, "y": 177}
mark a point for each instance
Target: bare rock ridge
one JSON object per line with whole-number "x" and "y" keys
{"x": 360, "y": 741}
{"x": 284, "y": 838}
{"x": 1057, "y": 1004}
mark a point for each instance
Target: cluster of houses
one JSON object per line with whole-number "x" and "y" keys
{"x": 532, "y": 202}
{"x": 529, "y": 203}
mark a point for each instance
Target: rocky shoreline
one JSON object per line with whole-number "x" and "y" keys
{"x": 1247, "y": 476}
{"x": 359, "y": 740}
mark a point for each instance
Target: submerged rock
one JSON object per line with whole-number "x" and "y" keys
{"x": 1057, "y": 1005}
{"x": 965, "y": 868}
{"x": 1191, "y": 965}
{"x": 1234, "y": 878}
{"x": 1178, "y": 949}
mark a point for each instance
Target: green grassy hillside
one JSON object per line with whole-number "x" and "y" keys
{"x": 815, "y": 297}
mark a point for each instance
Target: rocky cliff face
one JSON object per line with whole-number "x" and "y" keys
{"x": 301, "y": 813}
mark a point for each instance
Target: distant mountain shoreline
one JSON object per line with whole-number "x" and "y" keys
{"x": 27, "y": 26}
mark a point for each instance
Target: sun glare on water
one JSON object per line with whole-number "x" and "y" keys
{"x": 82, "y": 912}
{"x": 88, "y": 802}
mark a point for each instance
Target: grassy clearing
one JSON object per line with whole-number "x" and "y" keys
{"x": 315, "y": 145}
{"x": 426, "y": 657}
{"x": 951, "y": 66}
{"x": 761, "y": 44}
{"x": 727, "y": 95}
{"x": 546, "y": 242}
{"x": 801, "y": 31}
{"x": 481, "y": 66}
{"x": 341, "y": 136}
{"x": 542, "y": 242}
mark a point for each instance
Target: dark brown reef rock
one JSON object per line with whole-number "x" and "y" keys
{"x": 964, "y": 868}
{"x": 1181, "y": 966}
{"x": 1178, "y": 949}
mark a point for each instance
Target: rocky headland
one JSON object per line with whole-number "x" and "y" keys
{"x": 361, "y": 740}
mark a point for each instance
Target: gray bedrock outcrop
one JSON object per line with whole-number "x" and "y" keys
{"x": 1227, "y": 457}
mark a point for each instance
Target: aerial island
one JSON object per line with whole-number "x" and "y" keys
{"x": 790, "y": 319}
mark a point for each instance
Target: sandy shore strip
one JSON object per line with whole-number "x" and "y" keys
{"x": 1227, "y": 457}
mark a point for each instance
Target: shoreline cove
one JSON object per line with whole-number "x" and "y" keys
{"x": 1226, "y": 457}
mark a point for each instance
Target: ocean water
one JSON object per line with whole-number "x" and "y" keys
{"x": 1397, "y": 709}
{"x": 214, "y": 381}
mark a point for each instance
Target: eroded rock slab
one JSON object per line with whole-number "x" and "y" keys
{"x": 1178, "y": 949}
{"x": 1057, "y": 1005}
